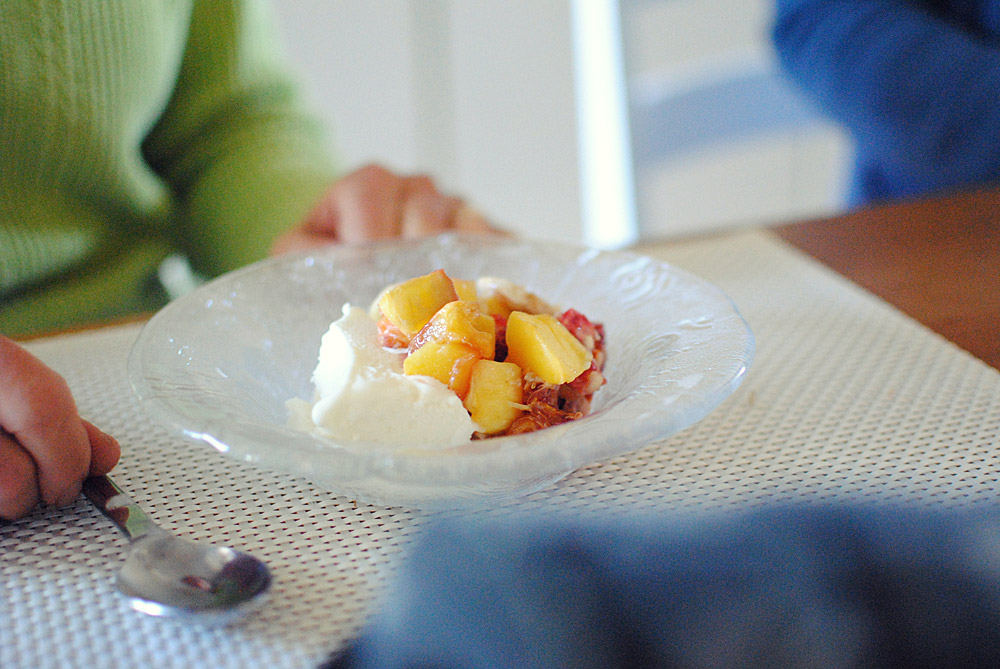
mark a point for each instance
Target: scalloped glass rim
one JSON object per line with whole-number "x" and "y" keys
{"x": 218, "y": 364}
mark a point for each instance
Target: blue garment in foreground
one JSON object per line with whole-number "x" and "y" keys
{"x": 778, "y": 587}
{"x": 915, "y": 82}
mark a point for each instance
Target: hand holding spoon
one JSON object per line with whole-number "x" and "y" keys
{"x": 167, "y": 576}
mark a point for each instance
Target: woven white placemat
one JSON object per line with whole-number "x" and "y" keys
{"x": 847, "y": 398}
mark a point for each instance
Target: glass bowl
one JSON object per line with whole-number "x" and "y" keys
{"x": 219, "y": 364}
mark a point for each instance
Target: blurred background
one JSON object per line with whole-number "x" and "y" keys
{"x": 597, "y": 121}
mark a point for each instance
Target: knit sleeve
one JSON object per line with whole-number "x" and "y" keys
{"x": 915, "y": 87}
{"x": 244, "y": 159}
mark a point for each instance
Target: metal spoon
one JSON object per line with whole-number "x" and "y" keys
{"x": 167, "y": 576}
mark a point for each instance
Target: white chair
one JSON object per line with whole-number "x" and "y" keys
{"x": 702, "y": 133}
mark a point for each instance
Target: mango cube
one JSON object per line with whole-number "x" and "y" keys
{"x": 461, "y": 322}
{"x": 495, "y": 394}
{"x": 450, "y": 362}
{"x": 466, "y": 289}
{"x": 540, "y": 344}
{"x": 411, "y": 304}
{"x": 500, "y": 297}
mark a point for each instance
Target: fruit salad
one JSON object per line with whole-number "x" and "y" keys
{"x": 517, "y": 363}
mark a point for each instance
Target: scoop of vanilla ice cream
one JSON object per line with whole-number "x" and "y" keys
{"x": 363, "y": 395}
{"x": 350, "y": 351}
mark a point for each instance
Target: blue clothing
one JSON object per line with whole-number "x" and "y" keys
{"x": 797, "y": 586}
{"x": 916, "y": 82}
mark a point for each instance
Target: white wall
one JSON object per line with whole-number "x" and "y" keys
{"x": 354, "y": 58}
{"x": 480, "y": 94}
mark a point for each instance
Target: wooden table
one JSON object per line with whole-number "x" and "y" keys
{"x": 936, "y": 259}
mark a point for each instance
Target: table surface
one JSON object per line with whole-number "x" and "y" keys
{"x": 848, "y": 398}
{"x": 936, "y": 259}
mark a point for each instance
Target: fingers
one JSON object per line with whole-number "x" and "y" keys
{"x": 374, "y": 203}
{"x": 425, "y": 211}
{"x": 40, "y": 421}
{"x": 19, "y": 490}
{"x": 371, "y": 204}
{"x": 18, "y": 482}
{"x": 299, "y": 239}
{"x": 364, "y": 205}
{"x": 468, "y": 219}
{"x": 104, "y": 450}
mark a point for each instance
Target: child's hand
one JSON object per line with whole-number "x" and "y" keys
{"x": 46, "y": 449}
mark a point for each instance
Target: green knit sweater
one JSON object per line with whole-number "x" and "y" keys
{"x": 131, "y": 130}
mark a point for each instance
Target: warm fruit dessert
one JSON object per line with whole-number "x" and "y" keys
{"x": 517, "y": 363}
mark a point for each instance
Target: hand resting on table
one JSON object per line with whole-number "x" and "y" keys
{"x": 374, "y": 203}
{"x": 46, "y": 448}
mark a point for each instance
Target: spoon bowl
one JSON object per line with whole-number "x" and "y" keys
{"x": 168, "y": 576}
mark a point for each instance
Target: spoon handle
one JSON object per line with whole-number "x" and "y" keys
{"x": 119, "y": 507}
